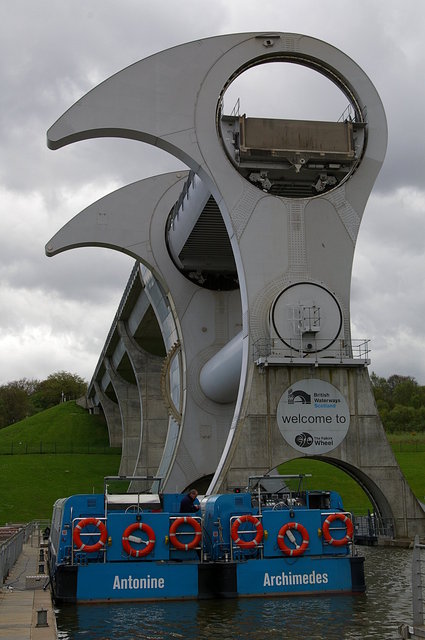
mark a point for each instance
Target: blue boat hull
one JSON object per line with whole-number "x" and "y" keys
{"x": 175, "y": 581}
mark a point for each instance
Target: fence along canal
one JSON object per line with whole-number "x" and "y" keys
{"x": 417, "y": 629}
{"x": 12, "y": 539}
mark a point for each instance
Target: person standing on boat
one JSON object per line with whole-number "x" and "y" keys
{"x": 188, "y": 505}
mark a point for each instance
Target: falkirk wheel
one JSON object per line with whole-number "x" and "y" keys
{"x": 249, "y": 257}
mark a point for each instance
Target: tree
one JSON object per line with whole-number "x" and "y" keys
{"x": 381, "y": 390}
{"x": 401, "y": 418}
{"x": 15, "y": 401}
{"x": 400, "y": 401}
{"x": 59, "y": 387}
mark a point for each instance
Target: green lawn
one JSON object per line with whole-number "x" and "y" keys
{"x": 413, "y": 439}
{"x": 65, "y": 428}
{"x": 30, "y": 484}
{"x": 412, "y": 465}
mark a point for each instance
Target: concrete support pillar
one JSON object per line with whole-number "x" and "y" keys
{"x": 130, "y": 410}
{"x": 154, "y": 415}
{"x": 112, "y": 415}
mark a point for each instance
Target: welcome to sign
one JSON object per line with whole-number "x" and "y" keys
{"x": 313, "y": 416}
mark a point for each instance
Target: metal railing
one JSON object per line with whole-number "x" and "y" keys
{"x": 417, "y": 630}
{"x": 27, "y": 448}
{"x": 128, "y": 287}
{"x": 11, "y": 549}
{"x": 180, "y": 202}
{"x": 77, "y": 554}
{"x": 294, "y": 350}
{"x": 234, "y": 546}
{"x": 368, "y": 529}
{"x": 192, "y": 532}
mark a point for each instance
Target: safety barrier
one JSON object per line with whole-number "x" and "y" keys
{"x": 417, "y": 629}
{"x": 25, "y": 448}
{"x": 11, "y": 549}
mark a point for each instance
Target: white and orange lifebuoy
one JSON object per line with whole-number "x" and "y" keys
{"x": 127, "y": 538}
{"x": 286, "y": 530}
{"x": 247, "y": 544}
{"x": 89, "y": 548}
{"x": 340, "y": 542}
{"x": 196, "y": 538}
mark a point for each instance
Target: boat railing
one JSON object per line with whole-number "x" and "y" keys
{"x": 233, "y": 543}
{"x": 339, "y": 524}
{"x": 74, "y": 550}
{"x": 274, "y": 489}
{"x": 193, "y": 533}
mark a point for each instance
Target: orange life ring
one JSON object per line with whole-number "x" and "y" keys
{"x": 89, "y": 548}
{"x": 247, "y": 544}
{"x": 299, "y": 549}
{"x": 196, "y": 538}
{"x": 348, "y": 536}
{"x": 138, "y": 553}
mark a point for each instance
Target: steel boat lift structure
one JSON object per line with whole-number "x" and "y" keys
{"x": 247, "y": 260}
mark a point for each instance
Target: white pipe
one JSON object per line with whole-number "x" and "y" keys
{"x": 220, "y": 376}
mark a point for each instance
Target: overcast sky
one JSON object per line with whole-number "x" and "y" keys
{"x": 55, "y": 312}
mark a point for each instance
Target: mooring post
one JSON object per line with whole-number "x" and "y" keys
{"x": 42, "y": 618}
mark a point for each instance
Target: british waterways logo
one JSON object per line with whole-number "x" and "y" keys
{"x": 298, "y": 396}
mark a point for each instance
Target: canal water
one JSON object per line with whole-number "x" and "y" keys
{"x": 374, "y": 615}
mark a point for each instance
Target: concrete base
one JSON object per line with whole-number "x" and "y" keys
{"x": 364, "y": 454}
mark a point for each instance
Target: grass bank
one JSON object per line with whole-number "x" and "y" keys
{"x": 79, "y": 457}
{"x": 30, "y": 484}
{"x": 65, "y": 428}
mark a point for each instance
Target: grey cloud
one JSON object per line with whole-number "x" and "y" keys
{"x": 56, "y": 312}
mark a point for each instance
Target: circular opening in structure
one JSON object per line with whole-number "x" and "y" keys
{"x": 306, "y": 317}
{"x": 291, "y": 130}
{"x": 285, "y": 90}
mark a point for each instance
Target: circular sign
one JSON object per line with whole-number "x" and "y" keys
{"x": 313, "y": 416}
